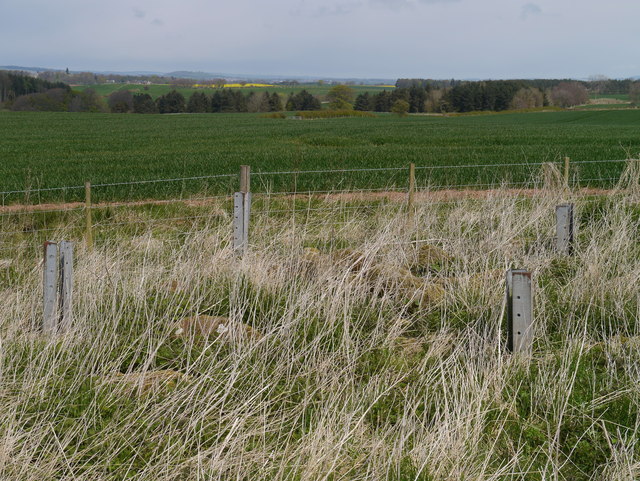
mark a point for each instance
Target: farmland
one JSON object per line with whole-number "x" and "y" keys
{"x": 356, "y": 339}
{"x": 44, "y": 150}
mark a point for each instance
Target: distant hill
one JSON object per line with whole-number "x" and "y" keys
{"x": 198, "y": 75}
{"x": 25, "y": 69}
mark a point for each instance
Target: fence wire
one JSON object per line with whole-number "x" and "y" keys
{"x": 41, "y": 211}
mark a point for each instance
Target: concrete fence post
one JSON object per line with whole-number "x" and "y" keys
{"x": 564, "y": 229}
{"x": 519, "y": 311}
{"x": 65, "y": 296}
{"x": 242, "y": 212}
{"x": 50, "y": 288}
{"x": 57, "y": 286}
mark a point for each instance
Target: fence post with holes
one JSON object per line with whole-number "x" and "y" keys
{"x": 242, "y": 212}
{"x": 50, "y": 287}
{"x": 88, "y": 233}
{"x": 65, "y": 294}
{"x": 566, "y": 172}
{"x": 519, "y": 311}
{"x": 412, "y": 185}
{"x": 564, "y": 229}
{"x": 57, "y": 286}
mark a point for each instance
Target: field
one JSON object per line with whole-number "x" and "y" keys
{"x": 352, "y": 342}
{"x": 45, "y": 150}
{"x": 157, "y": 90}
{"x": 622, "y": 97}
{"x": 357, "y": 339}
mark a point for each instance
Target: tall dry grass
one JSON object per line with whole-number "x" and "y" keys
{"x": 357, "y": 374}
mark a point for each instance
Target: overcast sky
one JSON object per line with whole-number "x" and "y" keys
{"x": 328, "y": 38}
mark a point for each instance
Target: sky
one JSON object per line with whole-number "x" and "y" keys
{"x": 464, "y": 39}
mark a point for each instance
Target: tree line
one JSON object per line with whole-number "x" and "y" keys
{"x": 13, "y": 85}
{"x": 423, "y": 95}
{"x": 24, "y": 92}
{"x": 221, "y": 101}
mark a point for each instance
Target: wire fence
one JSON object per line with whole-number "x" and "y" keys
{"x": 592, "y": 173}
{"x": 208, "y": 199}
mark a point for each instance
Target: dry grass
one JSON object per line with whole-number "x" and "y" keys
{"x": 351, "y": 377}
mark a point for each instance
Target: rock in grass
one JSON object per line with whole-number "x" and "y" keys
{"x": 213, "y": 326}
{"x": 147, "y": 381}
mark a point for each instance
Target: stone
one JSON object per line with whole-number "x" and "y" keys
{"x": 217, "y": 326}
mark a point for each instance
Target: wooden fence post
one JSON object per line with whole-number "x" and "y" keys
{"x": 519, "y": 311}
{"x": 245, "y": 179}
{"x": 412, "y": 185}
{"x": 88, "y": 233}
{"x": 564, "y": 229}
{"x": 50, "y": 287}
{"x": 566, "y": 172}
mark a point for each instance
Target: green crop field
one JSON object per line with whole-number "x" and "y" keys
{"x": 45, "y": 150}
{"x": 624, "y": 97}
{"x": 156, "y": 90}
{"x": 605, "y": 106}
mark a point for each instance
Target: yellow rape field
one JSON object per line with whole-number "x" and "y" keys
{"x": 235, "y": 85}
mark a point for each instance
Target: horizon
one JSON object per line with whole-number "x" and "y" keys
{"x": 278, "y": 77}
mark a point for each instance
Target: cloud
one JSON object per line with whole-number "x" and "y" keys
{"x": 157, "y": 22}
{"x": 139, "y": 13}
{"x": 529, "y": 10}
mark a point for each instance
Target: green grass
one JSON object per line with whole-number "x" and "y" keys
{"x": 354, "y": 377}
{"x": 605, "y": 106}
{"x": 43, "y": 150}
{"x": 624, "y": 97}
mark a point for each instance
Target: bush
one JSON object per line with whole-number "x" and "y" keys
{"x": 144, "y": 104}
{"x": 400, "y": 107}
{"x": 120, "y": 101}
